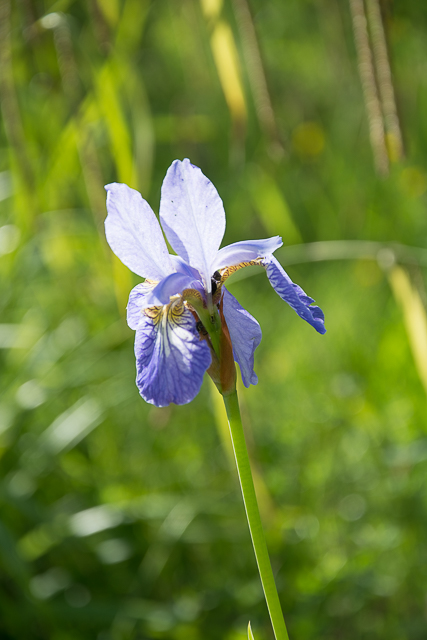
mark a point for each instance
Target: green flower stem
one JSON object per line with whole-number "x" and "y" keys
{"x": 254, "y": 519}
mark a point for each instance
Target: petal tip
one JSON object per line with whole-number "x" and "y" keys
{"x": 112, "y": 186}
{"x": 320, "y": 328}
{"x": 294, "y": 295}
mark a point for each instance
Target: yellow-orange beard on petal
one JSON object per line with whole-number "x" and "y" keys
{"x": 228, "y": 271}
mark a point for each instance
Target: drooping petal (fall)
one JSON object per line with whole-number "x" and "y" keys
{"x": 294, "y": 295}
{"x": 192, "y": 216}
{"x": 134, "y": 234}
{"x": 245, "y": 251}
{"x": 245, "y": 334}
{"x": 170, "y": 357}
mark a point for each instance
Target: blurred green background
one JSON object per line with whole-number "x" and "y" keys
{"x": 123, "y": 521}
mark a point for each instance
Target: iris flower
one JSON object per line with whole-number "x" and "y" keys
{"x": 171, "y": 310}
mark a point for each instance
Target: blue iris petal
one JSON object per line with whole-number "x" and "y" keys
{"x": 169, "y": 286}
{"x": 192, "y": 216}
{"x": 134, "y": 234}
{"x": 137, "y": 297}
{"x": 294, "y": 295}
{"x": 245, "y": 251}
{"x": 170, "y": 357}
{"x": 182, "y": 267}
{"x": 245, "y": 334}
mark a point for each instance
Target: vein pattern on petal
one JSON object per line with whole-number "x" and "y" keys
{"x": 170, "y": 357}
{"x": 134, "y": 234}
{"x": 192, "y": 216}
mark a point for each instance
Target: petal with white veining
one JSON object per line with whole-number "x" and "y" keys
{"x": 171, "y": 359}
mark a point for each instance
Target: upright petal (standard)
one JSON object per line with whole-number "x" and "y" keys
{"x": 192, "y": 216}
{"x": 134, "y": 234}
